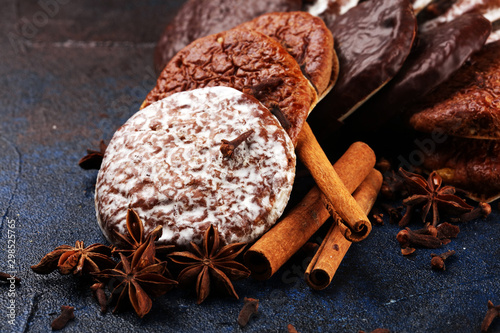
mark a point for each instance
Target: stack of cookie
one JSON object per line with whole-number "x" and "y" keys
{"x": 465, "y": 110}
{"x": 166, "y": 162}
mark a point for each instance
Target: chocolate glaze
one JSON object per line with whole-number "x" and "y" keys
{"x": 199, "y": 18}
{"x": 372, "y": 40}
{"x": 438, "y": 54}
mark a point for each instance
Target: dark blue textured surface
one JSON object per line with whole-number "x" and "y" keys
{"x": 73, "y": 84}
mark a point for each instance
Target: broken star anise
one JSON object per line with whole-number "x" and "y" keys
{"x": 93, "y": 159}
{"x": 138, "y": 279}
{"x": 211, "y": 262}
{"x": 136, "y": 236}
{"x": 76, "y": 259}
{"x": 427, "y": 194}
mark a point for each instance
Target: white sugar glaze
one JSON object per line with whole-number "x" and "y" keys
{"x": 165, "y": 162}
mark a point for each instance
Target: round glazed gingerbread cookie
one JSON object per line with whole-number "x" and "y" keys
{"x": 166, "y": 163}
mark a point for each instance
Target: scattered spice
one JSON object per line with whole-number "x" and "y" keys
{"x": 100, "y": 295}
{"x": 377, "y": 219}
{"x": 407, "y": 251}
{"x": 492, "y": 313}
{"x": 276, "y": 111}
{"x": 76, "y": 259}
{"x": 483, "y": 210}
{"x": 211, "y": 262}
{"x": 447, "y": 230}
{"x": 427, "y": 194}
{"x": 7, "y": 278}
{"x": 93, "y": 159}
{"x": 137, "y": 280}
{"x": 428, "y": 229}
{"x": 383, "y": 165}
{"x": 395, "y": 213}
{"x": 437, "y": 261}
{"x": 250, "y": 307}
{"x": 67, "y": 314}
{"x": 136, "y": 236}
{"x": 291, "y": 329}
{"x": 227, "y": 147}
{"x": 393, "y": 186}
{"x": 263, "y": 88}
{"x": 409, "y": 238}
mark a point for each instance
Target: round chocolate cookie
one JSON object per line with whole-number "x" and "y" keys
{"x": 307, "y": 39}
{"x": 247, "y": 61}
{"x": 166, "y": 163}
{"x": 200, "y": 18}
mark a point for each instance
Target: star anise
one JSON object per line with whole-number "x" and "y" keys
{"x": 427, "y": 194}
{"x": 136, "y": 236}
{"x": 76, "y": 259}
{"x": 138, "y": 279}
{"x": 211, "y": 263}
{"x": 93, "y": 159}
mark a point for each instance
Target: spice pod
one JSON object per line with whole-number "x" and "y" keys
{"x": 278, "y": 245}
{"x": 332, "y": 250}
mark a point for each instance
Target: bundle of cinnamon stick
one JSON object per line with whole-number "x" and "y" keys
{"x": 356, "y": 173}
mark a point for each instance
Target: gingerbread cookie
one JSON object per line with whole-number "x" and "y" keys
{"x": 247, "y": 61}
{"x": 200, "y": 18}
{"x": 166, "y": 163}
{"x": 307, "y": 39}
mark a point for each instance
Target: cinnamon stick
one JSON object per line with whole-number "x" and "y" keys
{"x": 330, "y": 184}
{"x": 278, "y": 245}
{"x": 332, "y": 250}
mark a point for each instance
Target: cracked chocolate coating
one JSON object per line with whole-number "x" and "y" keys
{"x": 468, "y": 104}
{"x": 200, "y": 18}
{"x": 240, "y": 58}
{"x": 306, "y": 38}
{"x": 165, "y": 162}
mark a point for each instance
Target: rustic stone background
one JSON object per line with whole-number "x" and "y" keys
{"x": 71, "y": 72}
